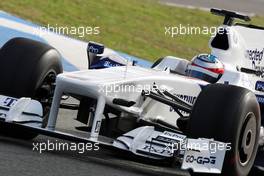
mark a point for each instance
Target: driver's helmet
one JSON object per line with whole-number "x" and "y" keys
{"x": 206, "y": 67}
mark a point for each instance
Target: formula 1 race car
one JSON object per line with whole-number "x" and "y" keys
{"x": 205, "y": 114}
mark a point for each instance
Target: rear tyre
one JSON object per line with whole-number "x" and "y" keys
{"x": 28, "y": 68}
{"x": 228, "y": 114}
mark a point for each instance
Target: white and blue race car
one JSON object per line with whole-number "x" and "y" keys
{"x": 205, "y": 114}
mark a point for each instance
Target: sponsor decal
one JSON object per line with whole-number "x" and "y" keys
{"x": 259, "y": 86}
{"x": 152, "y": 149}
{"x": 97, "y": 126}
{"x": 173, "y": 135}
{"x": 8, "y": 102}
{"x": 93, "y": 50}
{"x": 109, "y": 63}
{"x": 256, "y": 57}
{"x": 186, "y": 98}
{"x": 165, "y": 139}
{"x": 200, "y": 159}
{"x": 260, "y": 99}
{"x": 105, "y": 63}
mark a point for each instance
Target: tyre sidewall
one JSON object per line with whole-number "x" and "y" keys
{"x": 231, "y": 163}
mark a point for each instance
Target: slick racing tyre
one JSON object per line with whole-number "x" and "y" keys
{"x": 229, "y": 114}
{"x": 28, "y": 68}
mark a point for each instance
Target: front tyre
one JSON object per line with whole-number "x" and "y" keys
{"x": 28, "y": 68}
{"x": 229, "y": 114}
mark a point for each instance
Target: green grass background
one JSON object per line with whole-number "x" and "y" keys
{"x": 136, "y": 27}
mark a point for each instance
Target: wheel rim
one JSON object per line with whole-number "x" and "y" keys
{"x": 247, "y": 139}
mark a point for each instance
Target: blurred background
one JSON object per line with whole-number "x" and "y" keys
{"x": 136, "y": 27}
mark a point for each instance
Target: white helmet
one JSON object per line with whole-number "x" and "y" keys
{"x": 205, "y": 67}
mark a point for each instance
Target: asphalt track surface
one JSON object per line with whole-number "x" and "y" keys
{"x": 18, "y": 159}
{"x": 246, "y": 6}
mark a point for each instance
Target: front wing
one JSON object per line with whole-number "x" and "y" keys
{"x": 198, "y": 155}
